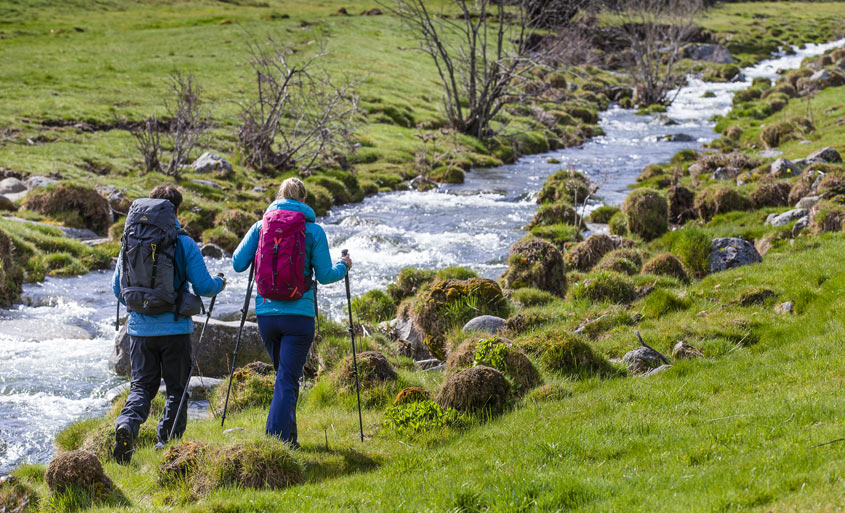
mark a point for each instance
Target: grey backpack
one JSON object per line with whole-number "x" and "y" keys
{"x": 148, "y": 252}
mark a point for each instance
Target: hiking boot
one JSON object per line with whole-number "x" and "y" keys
{"x": 123, "y": 444}
{"x": 160, "y": 446}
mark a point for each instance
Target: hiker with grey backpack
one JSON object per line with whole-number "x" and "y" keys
{"x": 157, "y": 262}
{"x": 287, "y": 252}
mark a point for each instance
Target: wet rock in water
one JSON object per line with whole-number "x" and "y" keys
{"x": 11, "y": 185}
{"x": 642, "y": 360}
{"x": 786, "y": 217}
{"x": 785, "y": 308}
{"x": 77, "y": 469}
{"x": 486, "y": 323}
{"x": 726, "y": 173}
{"x": 663, "y": 120}
{"x": 475, "y": 389}
{"x": 411, "y": 395}
{"x": 678, "y": 138}
{"x": 209, "y": 162}
{"x": 731, "y": 252}
{"x": 38, "y": 181}
{"x": 373, "y": 368}
{"x": 537, "y": 263}
{"x": 808, "y": 202}
{"x": 825, "y": 155}
{"x": 709, "y": 52}
{"x": 7, "y": 204}
{"x": 782, "y": 168}
{"x": 682, "y": 351}
{"x": 216, "y": 347}
{"x": 210, "y": 250}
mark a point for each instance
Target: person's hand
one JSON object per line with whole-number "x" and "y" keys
{"x": 347, "y": 261}
{"x": 224, "y": 282}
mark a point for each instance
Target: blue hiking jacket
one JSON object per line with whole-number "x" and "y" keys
{"x": 189, "y": 262}
{"x": 317, "y": 257}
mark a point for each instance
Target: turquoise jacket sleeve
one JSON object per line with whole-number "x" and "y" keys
{"x": 245, "y": 253}
{"x": 321, "y": 259}
{"x": 196, "y": 271}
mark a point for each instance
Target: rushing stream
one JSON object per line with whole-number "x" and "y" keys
{"x": 53, "y": 353}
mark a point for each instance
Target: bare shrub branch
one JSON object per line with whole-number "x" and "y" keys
{"x": 300, "y": 116}
{"x": 189, "y": 120}
{"x": 147, "y": 141}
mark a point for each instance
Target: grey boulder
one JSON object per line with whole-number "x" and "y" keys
{"x": 215, "y": 352}
{"x": 783, "y": 168}
{"x": 209, "y": 162}
{"x": 731, "y": 252}
{"x": 825, "y": 155}
{"x": 642, "y": 359}
{"x": 726, "y": 173}
{"x": 808, "y": 202}
{"x": 11, "y": 185}
{"x": 7, "y": 204}
{"x": 38, "y": 181}
{"x": 485, "y": 323}
{"x": 800, "y": 225}
{"x": 786, "y": 217}
{"x": 208, "y": 183}
{"x": 214, "y": 251}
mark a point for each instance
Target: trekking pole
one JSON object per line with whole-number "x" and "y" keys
{"x": 244, "y": 311}
{"x": 193, "y": 364}
{"x": 354, "y": 356}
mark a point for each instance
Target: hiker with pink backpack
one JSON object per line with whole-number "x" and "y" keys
{"x": 288, "y": 250}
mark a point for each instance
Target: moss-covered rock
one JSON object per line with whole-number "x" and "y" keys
{"x": 446, "y": 304}
{"x": 561, "y": 234}
{"x": 236, "y": 221}
{"x": 770, "y": 194}
{"x": 569, "y": 186}
{"x": 559, "y": 212}
{"x": 779, "y": 132}
{"x": 827, "y": 216}
{"x": 535, "y": 263}
{"x": 647, "y": 213}
{"x": 588, "y": 253}
{"x": 78, "y": 469}
{"x": 251, "y": 387}
{"x": 475, "y": 389}
{"x": 499, "y": 353}
{"x": 618, "y": 225}
{"x": 222, "y": 237}
{"x": 447, "y": 174}
{"x": 373, "y": 369}
{"x": 605, "y": 286}
{"x": 409, "y": 282}
{"x": 564, "y": 353}
{"x": 76, "y": 205}
{"x": 603, "y": 214}
{"x": 626, "y": 261}
{"x": 318, "y": 198}
{"x": 666, "y": 264}
{"x": 719, "y": 199}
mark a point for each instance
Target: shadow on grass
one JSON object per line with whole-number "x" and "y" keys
{"x": 328, "y": 463}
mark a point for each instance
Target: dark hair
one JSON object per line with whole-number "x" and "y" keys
{"x": 167, "y": 192}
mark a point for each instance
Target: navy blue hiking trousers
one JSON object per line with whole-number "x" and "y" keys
{"x": 154, "y": 358}
{"x": 287, "y": 339}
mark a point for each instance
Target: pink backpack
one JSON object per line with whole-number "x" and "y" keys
{"x": 280, "y": 258}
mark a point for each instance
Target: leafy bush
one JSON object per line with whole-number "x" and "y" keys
{"x": 408, "y": 282}
{"x": 374, "y": 306}
{"x": 419, "y": 417}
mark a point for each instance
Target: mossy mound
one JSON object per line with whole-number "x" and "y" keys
{"x": 182, "y": 461}
{"x": 559, "y": 212}
{"x": 75, "y": 205}
{"x": 651, "y": 171}
{"x": 771, "y": 194}
{"x": 16, "y": 497}
{"x": 780, "y": 132}
{"x": 719, "y": 200}
{"x": 409, "y": 282}
{"x": 11, "y": 273}
{"x": 446, "y": 304}
{"x": 534, "y": 262}
{"x": 827, "y": 216}
{"x": 475, "y": 389}
{"x": 564, "y": 353}
{"x": 411, "y": 395}
{"x": 647, "y": 213}
{"x": 250, "y": 388}
{"x": 618, "y": 225}
{"x": 259, "y": 464}
{"x": 373, "y": 369}
{"x": 832, "y": 184}
{"x": 625, "y": 260}
{"x": 561, "y": 235}
{"x": 78, "y": 469}
{"x": 447, "y": 174}
{"x": 524, "y": 322}
{"x": 605, "y": 286}
{"x": 569, "y": 186}
{"x": 500, "y": 354}
{"x": 222, "y": 237}
{"x": 603, "y": 214}
{"x": 587, "y": 254}
{"x": 236, "y": 221}
{"x": 666, "y": 264}
{"x": 528, "y": 297}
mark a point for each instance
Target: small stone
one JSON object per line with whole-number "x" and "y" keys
{"x": 808, "y": 202}
{"x": 208, "y": 183}
{"x": 786, "y": 217}
{"x": 485, "y": 323}
{"x": 642, "y": 360}
{"x": 682, "y": 350}
{"x": 825, "y": 155}
{"x": 731, "y": 252}
{"x": 232, "y": 430}
{"x": 784, "y": 168}
{"x": 11, "y": 185}
{"x": 800, "y": 225}
{"x": 770, "y": 153}
{"x": 214, "y": 251}
{"x": 679, "y": 138}
{"x": 657, "y": 370}
{"x": 785, "y": 308}
{"x": 726, "y": 173}
{"x": 209, "y": 162}
{"x": 37, "y": 181}
{"x": 259, "y": 189}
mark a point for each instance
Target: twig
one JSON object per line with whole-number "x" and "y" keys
{"x": 665, "y": 360}
{"x": 827, "y": 443}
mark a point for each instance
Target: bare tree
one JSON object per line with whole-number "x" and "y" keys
{"x": 299, "y": 116}
{"x": 655, "y": 30}
{"x": 148, "y": 142}
{"x": 480, "y": 55}
{"x": 189, "y": 120}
